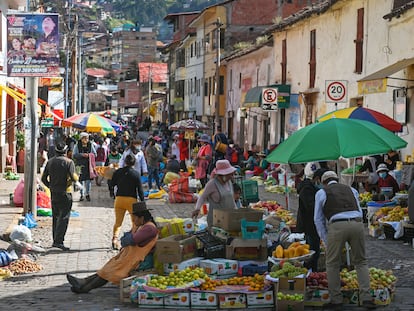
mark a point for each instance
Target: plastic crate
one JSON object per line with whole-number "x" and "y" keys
{"x": 212, "y": 247}
{"x": 250, "y": 192}
{"x": 252, "y": 229}
{"x": 252, "y": 269}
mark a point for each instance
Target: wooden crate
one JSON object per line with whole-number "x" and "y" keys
{"x": 125, "y": 284}
{"x": 124, "y": 287}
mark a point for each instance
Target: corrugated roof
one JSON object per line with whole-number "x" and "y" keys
{"x": 96, "y": 72}
{"x": 159, "y": 72}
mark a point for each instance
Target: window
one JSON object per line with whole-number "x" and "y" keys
{"x": 240, "y": 80}
{"x": 359, "y": 41}
{"x": 194, "y": 85}
{"x": 206, "y": 88}
{"x": 284, "y": 61}
{"x": 312, "y": 59}
{"x": 122, "y": 93}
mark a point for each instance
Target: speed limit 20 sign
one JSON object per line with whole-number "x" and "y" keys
{"x": 336, "y": 91}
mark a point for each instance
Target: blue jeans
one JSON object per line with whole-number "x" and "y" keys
{"x": 86, "y": 187}
{"x": 153, "y": 172}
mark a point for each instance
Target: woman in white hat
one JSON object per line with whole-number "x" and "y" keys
{"x": 218, "y": 191}
{"x": 385, "y": 180}
{"x": 204, "y": 156}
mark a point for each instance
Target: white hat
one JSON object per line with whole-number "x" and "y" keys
{"x": 382, "y": 167}
{"x": 311, "y": 168}
{"x": 84, "y": 134}
{"x": 327, "y": 175}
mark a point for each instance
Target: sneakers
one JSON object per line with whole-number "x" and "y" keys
{"x": 88, "y": 198}
{"x": 81, "y": 198}
{"x": 61, "y": 246}
{"x": 369, "y": 304}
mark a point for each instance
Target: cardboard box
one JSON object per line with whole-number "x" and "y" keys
{"x": 180, "y": 299}
{"x": 316, "y": 297}
{"x": 204, "y": 300}
{"x": 247, "y": 249}
{"x": 246, "y": 267}
{"x": 150, "y": 300}
{"x": 175, "y": 248}
{"x": 350, "y": 297}
{"x": 382, "y": 297}
{"x": 219, "y": 266}
{"x": 230, "y": 219}
{"x": 264, "y": 299}
{"x": 296, "y": 284}
{"x": 232, "y": 301}
{"x": 188, "y": 225}
{"x": 290, "y": 305}
{"x": 193, "y": 263}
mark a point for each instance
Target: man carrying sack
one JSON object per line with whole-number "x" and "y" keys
{"x": 220, "y": 145}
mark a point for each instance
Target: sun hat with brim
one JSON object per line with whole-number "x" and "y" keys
{"x": 83, "y": 134}
{"x": 140, "y": 208}
{"x": 61, "y": 147}
{"x": 261, "y": 154}
{"x": 382, "y": 168}
{"x": 327, "y": 175}
{"x": 223, "y": 167}
{"x": 204, "y": 138}
{"x": 157, "y": 138}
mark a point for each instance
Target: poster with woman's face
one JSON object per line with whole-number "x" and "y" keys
{"x": 32, "y": 45}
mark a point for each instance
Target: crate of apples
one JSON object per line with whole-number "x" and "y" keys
{"x": 270, "y": 206}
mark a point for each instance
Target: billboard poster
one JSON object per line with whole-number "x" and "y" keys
{"x": 32, "y": 45}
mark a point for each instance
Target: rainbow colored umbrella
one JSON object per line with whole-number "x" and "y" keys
{"x": 92, "y": 122}
{"x": 365, "y": 114}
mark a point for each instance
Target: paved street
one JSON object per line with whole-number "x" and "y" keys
{"x": 89, "y": 237}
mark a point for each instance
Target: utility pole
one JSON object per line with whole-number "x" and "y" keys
{"x": 67, "y": 64}
{"x": 30, "y": 130}
{"x": 217, "y": 78}
{"x": 149, "y": 91}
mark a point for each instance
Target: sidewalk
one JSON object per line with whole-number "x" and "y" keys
{"x": 89, "y": 237}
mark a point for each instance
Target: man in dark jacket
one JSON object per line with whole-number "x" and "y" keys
{"x": 58, "y": 176}
{"x": 307, "y": 190}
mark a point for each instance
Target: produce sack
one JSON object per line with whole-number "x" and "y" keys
{"x": 29, "y": 221}
{"x": 19, "y": 194}
{"x": 157, "y": 195}
{"x": 5, "y": 258}
{"x": 21, "y": 233}
{"x": 43, "y": 200}
{"x": 221, "y": 147}
{"x": 180, "y": 185}
{"x": 181, "y": 197}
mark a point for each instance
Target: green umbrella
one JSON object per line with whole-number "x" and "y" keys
{"x": 335, "y": 138}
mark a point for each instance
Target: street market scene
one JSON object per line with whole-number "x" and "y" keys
{"x": 207, "y": 155}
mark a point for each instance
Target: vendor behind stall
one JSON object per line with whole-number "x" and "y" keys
{"x": 385, "y": 180}
{"x": 218, "y": 191}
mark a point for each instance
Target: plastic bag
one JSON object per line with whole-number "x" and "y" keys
{"x": 21, "y": 233}
{"x": 5, "y": 258}
{"x": 19, "y": 194}
{"x": 29, "y": 221}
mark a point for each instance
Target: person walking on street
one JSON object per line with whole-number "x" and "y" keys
{"x": 338, "y": 219}
{"x": 58, "y": 175}
{"x": 140, "y": 163}
{"x": 220, "y": 144}
{"x": 128, "y": 185}
{"x": 204, "y": 156}
{"x": 136, "y": 245}
{"x": 51, "y": 143}
{"x": 84, "y": 154}
{"x": 307, "y": 190}
{"x": 113, "y": 161}
{"x": 154, "y": 157}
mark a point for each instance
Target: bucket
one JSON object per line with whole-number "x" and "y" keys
{"x": 248, "y": 174}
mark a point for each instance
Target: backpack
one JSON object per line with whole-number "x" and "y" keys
{"x": 100, "y": 154}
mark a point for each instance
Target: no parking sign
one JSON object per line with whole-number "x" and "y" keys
{"x": 269, "y": 99}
